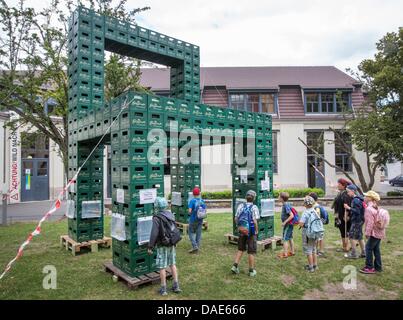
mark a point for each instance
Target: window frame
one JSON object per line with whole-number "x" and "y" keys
{"x": 346, "y": 159}
{"x": 246, "y": 100}
{"x": 323, "y": 92}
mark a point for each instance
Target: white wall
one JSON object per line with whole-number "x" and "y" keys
{"x": 394, "y": 169}
{"x": 56, "y": 171}
{"x": 216, "y": 168}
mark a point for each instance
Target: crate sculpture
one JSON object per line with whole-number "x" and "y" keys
{"x": 90, "y": 34}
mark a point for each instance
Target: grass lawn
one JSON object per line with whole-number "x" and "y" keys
{"x": 204, "y": 276}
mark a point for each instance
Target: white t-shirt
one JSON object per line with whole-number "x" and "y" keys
{"x": 254, "y": 210}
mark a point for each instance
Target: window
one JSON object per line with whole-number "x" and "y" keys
{"x": 275, "y": 158}
{"x": 315, "y": 141}
{"x": 312, "y": 102}
{"x": 34, "y": 145}
{"x": 237, "y": 101}
{"x": 268, "y": 103}
{"x": 326, "y": 102}
{"x": 343, "y": 148}
{"x": 253, "y": 102}
{"x": 342, "y": 101}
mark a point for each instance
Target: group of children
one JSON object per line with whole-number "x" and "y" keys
{"x": 358, "y": 212}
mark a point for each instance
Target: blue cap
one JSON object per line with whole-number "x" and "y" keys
{"x": 352, "y": 187}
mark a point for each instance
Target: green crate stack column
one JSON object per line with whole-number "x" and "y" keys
{"x": 262, "y": 160}
{"x": 132, "y": 172}
{"x": 85, "y": 94}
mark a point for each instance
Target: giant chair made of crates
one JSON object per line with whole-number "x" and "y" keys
{"x": 134, "y": 116}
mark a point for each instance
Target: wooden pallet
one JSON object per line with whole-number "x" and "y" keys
{"x": 262, "y": 245}
{"x": 93, "y": 245}
{"x": 184, "y": 227}
{"x": 134, "y": 282}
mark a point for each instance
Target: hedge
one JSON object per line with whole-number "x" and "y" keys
{"x": 294, "y": 193}
{"x": 395, "y": 193}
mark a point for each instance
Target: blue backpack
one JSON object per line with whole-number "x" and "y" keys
{"x": 323, "y": 214}
{"x": 245, "y": 222}
{"x": 201, "y": 211}
{"x": 314, "y": 226}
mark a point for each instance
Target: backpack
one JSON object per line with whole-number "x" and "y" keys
{"x": 295, "y": 220}
{"x": 201, "y": 212}
{"x": 383, "y": 219}
{"x": 323, "y": 214}
{"x": 314, "y": 226}
{"x": 170, "y": 234}
{"x": 245, "y": 223}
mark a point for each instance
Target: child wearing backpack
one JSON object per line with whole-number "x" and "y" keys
{"x": 376, "y": 222}
{"x": 356, "y": 213}
{"x": 164, "y": 236}
{"x": 197, "y": 210}
{"x": 287, "y": 218}
{"x": 312, "y": 230}
{"x": 325, "y": 220}
{"x": 246, "y": 218}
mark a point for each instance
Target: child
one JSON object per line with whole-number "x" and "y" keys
{"x": 166, "y": 253}
{"x": 286, "y": 217}
{"x": 251, "y": 212}
{"x": 376, "y": 221}
{"x": 357, "y": 222}
{"x": 321, "y": 211}
{"x": 195, "y": 224}
{"x": 310, "y": 235}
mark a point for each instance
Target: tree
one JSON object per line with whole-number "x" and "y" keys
{"x": 33, "y": 63}
{"x": 376, "y": 128}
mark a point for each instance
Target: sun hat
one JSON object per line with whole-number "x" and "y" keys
{"x": 309, "y": 201}
{"x": 373, "y": 195}
{"x": 251, "y": 193}
{"x": 352, "y": 187}
{"x": 160, "y": 203}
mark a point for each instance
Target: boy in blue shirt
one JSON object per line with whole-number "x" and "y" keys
{"x": 195, "y": 224}
{"x": 286, "y": 217}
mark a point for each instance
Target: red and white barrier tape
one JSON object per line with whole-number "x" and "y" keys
{"x": 37, "y": 230}
{"x": 57, "y": 203}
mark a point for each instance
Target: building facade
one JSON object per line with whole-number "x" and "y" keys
{"x": 304, "y": 103}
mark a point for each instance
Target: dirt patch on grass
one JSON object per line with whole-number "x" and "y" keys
{"x": 335, "y": 291}
{"x": 397, "y": 253}
{"x": 287, "y": 280}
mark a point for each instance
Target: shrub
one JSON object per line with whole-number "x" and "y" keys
{"x": 395, "y": 193}
{"x": 227, "y": 194}
{"x": 300, "y": 193}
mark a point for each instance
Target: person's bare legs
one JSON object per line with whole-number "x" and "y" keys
{"x": 362, "y": 246}
{"x": 251, "y": 260}
{"x": 163, "y": 277}
{"x": 174, "y": 273}
{"x": 310, "y": 259}
{"x": 285, "y": 247}
{"x": 238, "y": 256}
{"x": 292, "y": 247}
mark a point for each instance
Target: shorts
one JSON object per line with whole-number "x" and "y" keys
{"x": 287, "y": 232}
{"x": 309, "y": 245}
{"x": 355, "y": 232}
{"x": 250, "y": 242}
{"x": 342, "y": 228}
{"x": 166, "y": 256}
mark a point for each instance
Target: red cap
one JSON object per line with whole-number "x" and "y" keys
{"x": 196, "y": 191}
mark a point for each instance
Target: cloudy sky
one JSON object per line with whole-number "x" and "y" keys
{"x": 274, "y": 32}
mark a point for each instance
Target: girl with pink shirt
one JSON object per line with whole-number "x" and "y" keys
{"x": 376, "y": 221}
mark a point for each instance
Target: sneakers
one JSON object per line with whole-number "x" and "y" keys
{"x": 194, "y": 250}
{"x": 366, "y": 270}
{"x": 163, "y": 291}
{"x": 252, "y": 273}
{"x": 321, "y": 254}
{"x": 363, "y": 255}
{"x": 235, "y": 270}
{"x": 175, "y": 288}
{"x": 351, "y": 256}
{"x": 308, "y": 268}
{"x": 283, "y": 255}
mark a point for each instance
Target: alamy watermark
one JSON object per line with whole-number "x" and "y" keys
{"x": 350, "y": 280}
{"x": 50, "y": 279}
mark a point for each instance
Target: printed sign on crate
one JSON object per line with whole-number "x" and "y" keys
{"x": 148, "y": 196}
{"x": 176, "y": 199}
{"x": 120, "y": 195}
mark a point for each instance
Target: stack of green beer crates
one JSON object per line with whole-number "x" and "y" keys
{"x": 85, "y": 117}
{"x": 132, "y": 172}
{"x": 257, "y": 147}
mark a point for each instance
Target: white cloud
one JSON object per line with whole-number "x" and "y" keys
{"x": 273, "y": 32}
{"x": 310, "y": 32}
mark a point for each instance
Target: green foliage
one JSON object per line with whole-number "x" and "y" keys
{"x": 395, "y": 193}
{"x": 227, "y": 194}
{"x": 299, "y": 193}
